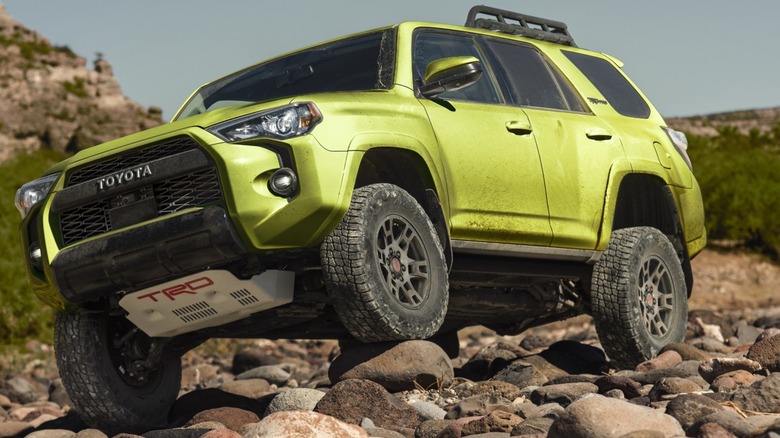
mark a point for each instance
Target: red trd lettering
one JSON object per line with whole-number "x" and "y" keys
{"x": 179, "y": 289}
{"x": 199, "y": 283}
{"x": 188, "y": 287}
{"x": 150, "y": 296}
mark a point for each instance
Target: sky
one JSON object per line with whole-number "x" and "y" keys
{"x": 689, "y": 57}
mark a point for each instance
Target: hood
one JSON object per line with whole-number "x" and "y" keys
{"x": 180, "y": 127}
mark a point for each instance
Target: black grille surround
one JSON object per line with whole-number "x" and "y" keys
{"x": 180, "y": 176}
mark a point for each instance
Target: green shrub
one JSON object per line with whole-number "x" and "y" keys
{"x": 76, "y": 88}
{"x": 740, "y": 186}
{"x": 22, "y": 315}
{"x": 66, "y": 50}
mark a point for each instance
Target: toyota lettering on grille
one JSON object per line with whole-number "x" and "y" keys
{"x": 124, "y": 177}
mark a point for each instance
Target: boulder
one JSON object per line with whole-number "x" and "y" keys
{"x": 762, "y": 396}
{"x": 232, "y": 418}
{"x": 304, "y": 425}
{"x": 563, "y": 393}
{"x": 354, "y": 399}
{"x": 521, "y": 374}
{"x": 688, "y": 408}
{"x": 767, "y": 353}
{"x": 395, "y": 366}
{"x": 598, "y": 416}
{"x": 716, "y": 366}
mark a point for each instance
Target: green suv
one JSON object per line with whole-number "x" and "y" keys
{"x": 401, "y": 183}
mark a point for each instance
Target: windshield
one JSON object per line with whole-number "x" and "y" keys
{"x": 360, "y": 63}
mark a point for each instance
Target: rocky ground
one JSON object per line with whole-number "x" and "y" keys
{"x": 553, "y": 381}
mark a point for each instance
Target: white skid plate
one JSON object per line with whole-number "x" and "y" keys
{"x": 206, "y": 299}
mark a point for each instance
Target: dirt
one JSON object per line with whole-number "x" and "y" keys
{"x": 729, "y": 280}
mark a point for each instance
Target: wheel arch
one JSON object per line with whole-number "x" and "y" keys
{"x": 408, "y": 170}
{"x": 647, "y": 200}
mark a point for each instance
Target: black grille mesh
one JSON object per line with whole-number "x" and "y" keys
{"x": 197, "y": 188}
{"x": 85, "y": 221}
{"x": 130, "y": 159}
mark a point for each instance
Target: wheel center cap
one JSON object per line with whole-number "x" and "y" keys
{"x": 395, "y": 263}
{"x": 649, "y": 301}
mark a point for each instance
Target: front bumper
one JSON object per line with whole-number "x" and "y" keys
{"x": 99, "y": 237}
{"x": 151, "y": 254}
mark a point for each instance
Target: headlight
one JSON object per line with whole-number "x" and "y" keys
{"x": 34, "y": 192}
{"x": 680, "y": 142}
{"x": 281, "y": 123}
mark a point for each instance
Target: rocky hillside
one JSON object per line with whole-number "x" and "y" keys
{"x": 764, "y": 120}
{"x": 50, "y": 99}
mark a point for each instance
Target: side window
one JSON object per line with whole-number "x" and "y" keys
{"x": 612, "y": 84}
{"x": 430, "y": 46}
{"x": 531, "y": 81}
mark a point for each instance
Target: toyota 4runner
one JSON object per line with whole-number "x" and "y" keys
{"x": 397, "y": 184}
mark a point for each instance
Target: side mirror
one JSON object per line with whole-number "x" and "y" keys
{"x": 450, "y": 74}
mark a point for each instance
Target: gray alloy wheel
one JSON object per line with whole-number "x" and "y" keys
{"x": 403, "y": 262}
{"x": 639, "y": 298}
{"x": 385, "y": 268}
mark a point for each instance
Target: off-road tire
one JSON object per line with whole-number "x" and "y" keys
{"x": 379, "y": 296}
{"x": 639, "y": 298}
{"x": 100, "y": 395}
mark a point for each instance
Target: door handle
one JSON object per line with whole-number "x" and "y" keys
{"x": 598, "y": 134}
{"x": 519, "y": 128}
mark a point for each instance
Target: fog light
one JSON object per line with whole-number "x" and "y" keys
{"x": 35, "y": 255}
{"x": 283, "y": 182}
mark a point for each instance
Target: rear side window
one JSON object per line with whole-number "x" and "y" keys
{"x": 530, "y": 79}
{"x": 612, "y": 84}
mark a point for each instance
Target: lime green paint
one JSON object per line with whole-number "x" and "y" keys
{"x": 502, "y": 173}
{"x": 442, "y": 65}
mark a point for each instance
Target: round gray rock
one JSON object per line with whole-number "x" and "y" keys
{"x": 428, "y": 410}
{"x": 298, "y": 399}
{"x": 273, "y": 374}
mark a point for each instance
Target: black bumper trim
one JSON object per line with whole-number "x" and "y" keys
{"x": 145, "y": 255}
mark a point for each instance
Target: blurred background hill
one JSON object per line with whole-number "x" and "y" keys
{"x": 49, "y": 99}
{"x": 52, "y": 105}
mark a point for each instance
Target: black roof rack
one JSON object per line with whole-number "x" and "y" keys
{"x": 515, "y": 23}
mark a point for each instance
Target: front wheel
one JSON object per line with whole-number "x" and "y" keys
{"x": 96, "y": 356}
{"x": 384, "y": 266}
{"x": 639, "y": 297}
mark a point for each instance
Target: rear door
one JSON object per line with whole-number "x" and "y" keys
{"x": 576, "y": 147}
{"x": 493, "y": 170}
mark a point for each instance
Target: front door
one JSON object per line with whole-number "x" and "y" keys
{"x": 494, "y": 174}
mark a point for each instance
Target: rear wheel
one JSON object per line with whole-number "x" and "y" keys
{"x": 384, "y": 265}
{"x": 105, "y": 366}
{"x": 639, "y": 297}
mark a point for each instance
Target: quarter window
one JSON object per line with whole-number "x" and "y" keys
{"x": 530, "y": 79}
{"x": 611, "y": 84}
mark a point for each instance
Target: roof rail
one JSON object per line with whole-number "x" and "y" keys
{"x": 514, "y": 23}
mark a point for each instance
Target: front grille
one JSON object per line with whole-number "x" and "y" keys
{"x": 131, "y": 158}
{"x": 189, "y": 189}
